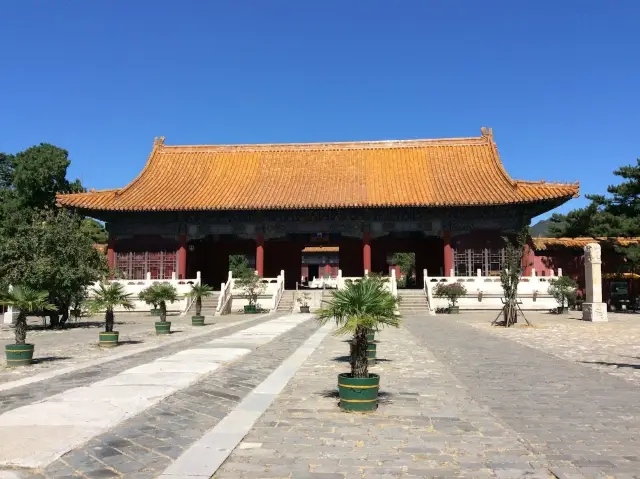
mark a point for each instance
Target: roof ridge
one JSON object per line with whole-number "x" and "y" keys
{"x": 545, "y": 182}
{"x": 338, "y": 145}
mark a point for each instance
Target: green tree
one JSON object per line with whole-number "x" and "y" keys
{"x": 614, "y": 214}
{"x": 360, "y": 307}
{"x": 94, "y": 230}
{"x": 407, "y": 264}
{"x": 51, "y": 253}
{"x": 239, "y": 266}
{"x": 39, "y": 173}
{"x": 563, "y": 290}
{"x": 26, "y": 300}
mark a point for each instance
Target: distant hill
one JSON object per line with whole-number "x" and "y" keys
{"x": 540, "y": 229}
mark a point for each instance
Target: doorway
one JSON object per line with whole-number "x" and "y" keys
{"x": 314, "y": 271}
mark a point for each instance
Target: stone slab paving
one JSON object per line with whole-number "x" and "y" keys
{"x": 427, "y": 425}
{"x": 146, "y": 444}
{"x": 38, "y": 391}
{"x": 78, "y": 414}
{"x": 581, "y": 421}
{"x": 78, "y": 342}
{"x": 613, "y": 347}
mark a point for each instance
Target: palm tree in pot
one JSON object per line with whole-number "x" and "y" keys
{"x": 199, "y": 291}
{"x": 161, "y": 294}
{"x": 106, "y": 297}
{"x": 26, "y": 300}
{"x": 146, "y": 296}
{"x": 357, "y": 309}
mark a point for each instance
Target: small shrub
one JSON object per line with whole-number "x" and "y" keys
{"x": 451, "y": 291}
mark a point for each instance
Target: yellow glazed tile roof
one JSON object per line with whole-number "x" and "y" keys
{"x": 541, "y": 244}
{"x": 437, "y": 173}
{"x": 321, "y": 249}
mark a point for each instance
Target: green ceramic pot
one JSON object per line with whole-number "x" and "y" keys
{"x": 197, "y": 320}
{"x": 109, "y": 340}
{"x": 19, "y": 354}
{"x": 358, "y": 394}
{"x": 163, "y": 327}
{"x": 250, "y": 309}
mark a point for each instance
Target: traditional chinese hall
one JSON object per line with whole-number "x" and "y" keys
{"x": 312, "y": 210}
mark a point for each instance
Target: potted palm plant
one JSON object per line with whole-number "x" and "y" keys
{"x": 160, "y": 294}
{"x": 199, "y": 291}
{"x": 357, "y": 309}
{"x": 451, "y": 291}
{"x": 145, "y": 296}
{"x": 304, "y": 299}
{"x": 106, "y": 297}
{"x": 26, "y": 300}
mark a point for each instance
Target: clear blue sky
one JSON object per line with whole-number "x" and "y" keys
{"x": 557, "y": 80}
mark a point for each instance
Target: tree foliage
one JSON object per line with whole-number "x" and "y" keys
{"x": 360, "y": 307}
{"x": 51, "y": 253}
{"x": 43, "y": 247}
{"x": 612, "y": 215}
{"x": 107, "y": 296}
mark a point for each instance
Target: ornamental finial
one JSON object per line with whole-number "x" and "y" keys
{"x": 158, "y": 141}
{"x": 487, "y": 133}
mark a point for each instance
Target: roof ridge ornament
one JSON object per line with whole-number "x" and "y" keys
{"x": 487, "y": 133}
{"x": 158, "y": 141}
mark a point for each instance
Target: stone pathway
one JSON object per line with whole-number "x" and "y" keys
{"x": 455, "y": 402}
{"x": 30, "y": 393}
{"x": 155, "y": 436}
{"x": 78, "y": 342}
{"x": 426, "y": 425}
{"x": 580, "y": 421}
{"x": 613, "y": 347}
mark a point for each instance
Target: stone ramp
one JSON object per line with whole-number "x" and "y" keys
{"x": 76, "y": 415}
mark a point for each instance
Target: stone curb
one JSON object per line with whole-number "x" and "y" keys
{"x": 70, "y": 369}
{"x": 207, "y": 454}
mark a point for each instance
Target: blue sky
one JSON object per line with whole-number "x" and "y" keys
{"x": 557, "y": 80}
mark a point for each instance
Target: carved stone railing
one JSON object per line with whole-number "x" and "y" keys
{"x": 485, "y": 292}
{"x": 225, "y": 299}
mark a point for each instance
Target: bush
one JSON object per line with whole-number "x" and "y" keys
{"x": 451, "y": 291}
{"x": 563, "y": 290}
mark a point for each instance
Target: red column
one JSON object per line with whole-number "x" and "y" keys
{"x": 448, "y": 253}
{"x": 366, "y": 251}
{"x": 260, "y": 254}
{"x": 182, "y": 257}
{"x": 111, "y": 253}
{"x": 327, "y": 270}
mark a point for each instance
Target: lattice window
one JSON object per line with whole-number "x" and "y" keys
{"x": 495, "y": 261}
{"x": 477, "y": 261}
{"x": 136, "y": 265}
{"x": 169, "y": 264}
{"x": 489, "y": 261}
{"x": 123, "y": 265}
{"x": 460, "y": 262}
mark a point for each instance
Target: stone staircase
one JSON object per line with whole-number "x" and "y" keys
{"x": 413, "y": 302}
{"x": 286, "y": 302}
{"x": 209, "y": 305}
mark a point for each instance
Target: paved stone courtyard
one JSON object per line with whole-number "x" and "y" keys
{"x": 458, "y": 399}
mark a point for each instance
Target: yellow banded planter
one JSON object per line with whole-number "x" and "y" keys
{"x": 19, "y": 354}
{"x": 163, "y": 327}
{"x": 358, "y": 394}
{"x": 197, "y": 320}
{"x": 109, "y": 340}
